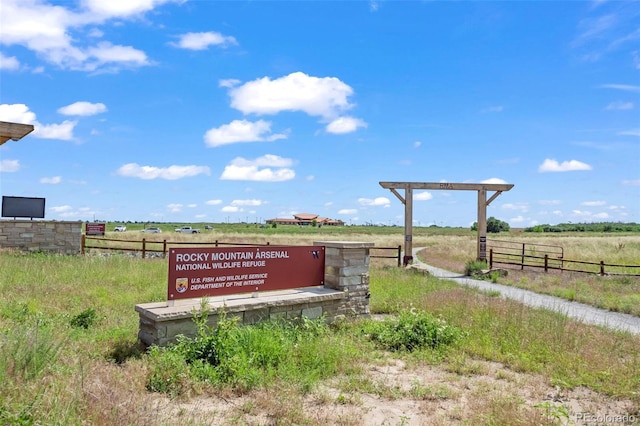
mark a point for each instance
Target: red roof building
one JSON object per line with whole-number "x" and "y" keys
{"x": 306, "y": 219}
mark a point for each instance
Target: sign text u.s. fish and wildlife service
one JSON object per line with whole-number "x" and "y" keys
{"x": 215, "y": 271}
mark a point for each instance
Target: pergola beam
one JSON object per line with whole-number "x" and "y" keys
{"x": 483, "y": 202}
{"x": 13, "y": 131}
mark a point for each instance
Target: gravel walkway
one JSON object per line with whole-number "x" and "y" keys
{"x": 584, "y": 313}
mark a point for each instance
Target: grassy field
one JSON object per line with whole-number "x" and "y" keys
{"x": 68, "y": 350}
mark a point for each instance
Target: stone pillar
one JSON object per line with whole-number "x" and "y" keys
{"x": 347, "y": 270}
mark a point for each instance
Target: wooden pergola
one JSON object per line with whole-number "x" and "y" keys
{"x": 483, "y": 202}
{"x": 13, "y": 131}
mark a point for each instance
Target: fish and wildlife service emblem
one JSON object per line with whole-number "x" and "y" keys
{"x": 182, "y": 284}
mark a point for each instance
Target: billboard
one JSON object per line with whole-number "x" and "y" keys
{"x": 217, "y": 271}
{"x": 23, "y": 207}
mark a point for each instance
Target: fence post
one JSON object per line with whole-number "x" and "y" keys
{"x": 546, "y": 262}
{"x": 522, "y": 264}
{"x": 164, "y": 248}
{"x": 399, "y": 255}
{"x": 602, "y": 267}
{"x": 490, "y": 258}
{"x": 216, "y": 244}
{"x": 144, "y": 247}
{"x": 82, "y": 243}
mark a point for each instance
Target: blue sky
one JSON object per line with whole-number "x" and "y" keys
{"x": 203, "y": 111}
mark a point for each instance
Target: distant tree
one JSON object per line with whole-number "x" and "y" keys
{"x": 493, "y": 226}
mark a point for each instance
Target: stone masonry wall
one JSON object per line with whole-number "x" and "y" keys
{"x": 39, "y": 235}
{"x": 347, "y": 270}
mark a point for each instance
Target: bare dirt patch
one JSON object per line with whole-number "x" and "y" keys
{"x": 391, "y": 393}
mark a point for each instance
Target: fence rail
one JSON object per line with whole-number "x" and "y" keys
{"x": 397, "y": 255}
{"x": 548, "y": 258}
{"x": 154, "y": 246}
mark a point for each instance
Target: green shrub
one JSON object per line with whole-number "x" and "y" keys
{"x": 474, "y": 267}
{"x": 411, "y": 331}
{"x": 84, "y": 319}
{"x": 242, "y": 357}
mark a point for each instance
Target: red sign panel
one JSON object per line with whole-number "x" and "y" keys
{"x": 215, "y": 271}
{"x": 95, "y": 228}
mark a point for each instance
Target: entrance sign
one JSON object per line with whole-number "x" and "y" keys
{"x": 95, "y": 229}
{"x": 216, "y": 271}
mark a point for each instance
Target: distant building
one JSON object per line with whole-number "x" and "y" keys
{"x": 306, "y": 219}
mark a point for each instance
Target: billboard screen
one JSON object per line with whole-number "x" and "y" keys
{"x": 216, "y": 271}
{"x": 22, "y": 207}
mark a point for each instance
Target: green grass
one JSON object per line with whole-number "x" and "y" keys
{"x": 69, "y": 354}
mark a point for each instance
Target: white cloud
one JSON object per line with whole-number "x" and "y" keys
{"x": 593, "y": 203}
{"x": 379, "y": 201}
{"x": 632, "y": 132}
{"x": 231, "y": 209}
{"x": 347, "y": 211}
{"x": 624, "y": 87}
{"x": 494, "y": 181}
{"x": 497, "y": 108}
{"x": 587, "y": 215}
{"x": 192, "y": 205}
{"x": 9, "y": 166}
{"x": 422, "y": 196}
{"x": 20, "y": 113}
{"x": 316, "y": 96}
{"x": 213, "y": 202}
{"x": 9, "y": 63}
{"x": 61, "y": 209}
{"x": 83, "y": 109}
{"x": 174, "y": 207}
{"x": 241, "y": 131}
{"x": 47, "y": 30}
{"x": 123, "y": 9}
{"x": 344, "y": 125}
{"x": 619, "y": 105}
{"x": 549, "y": 202}
{"x": 523, "y": 207}
{"x": 17, "y": 113}
{"x": 268, "y": 168}
{"x": 168, "y": 173}
{"x": 631, "y": 182}
{"x": 517, "y": 219}
{"x": 201, "y": 41}
{"x": 417, "y": 144}
{"x": 247, "y": 202}
{"x": 551, "y": 165}
{"x": 62, "y": 131}
{"x": 52, "y": 180}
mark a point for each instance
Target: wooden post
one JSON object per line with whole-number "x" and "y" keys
{"x": 82, "y": 243}
{"x": 164, "y": 248}
{"x": 602, "y": 267}
{"x": 522, "y": 265}
{"x": 546, "y": 262}
{"x": 144, "y": 247}
{"x": 408, "y": 225}
{"x": 482, "y": 224}
{"x": 490, "y": 258}
{"x": 399, "y": 255}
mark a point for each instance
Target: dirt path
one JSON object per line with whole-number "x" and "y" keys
{"x": 579, "y": 311}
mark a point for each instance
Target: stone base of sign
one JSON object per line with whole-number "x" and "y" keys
{"x": 160, "y": 324}
{"x": 345, "y": 295}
